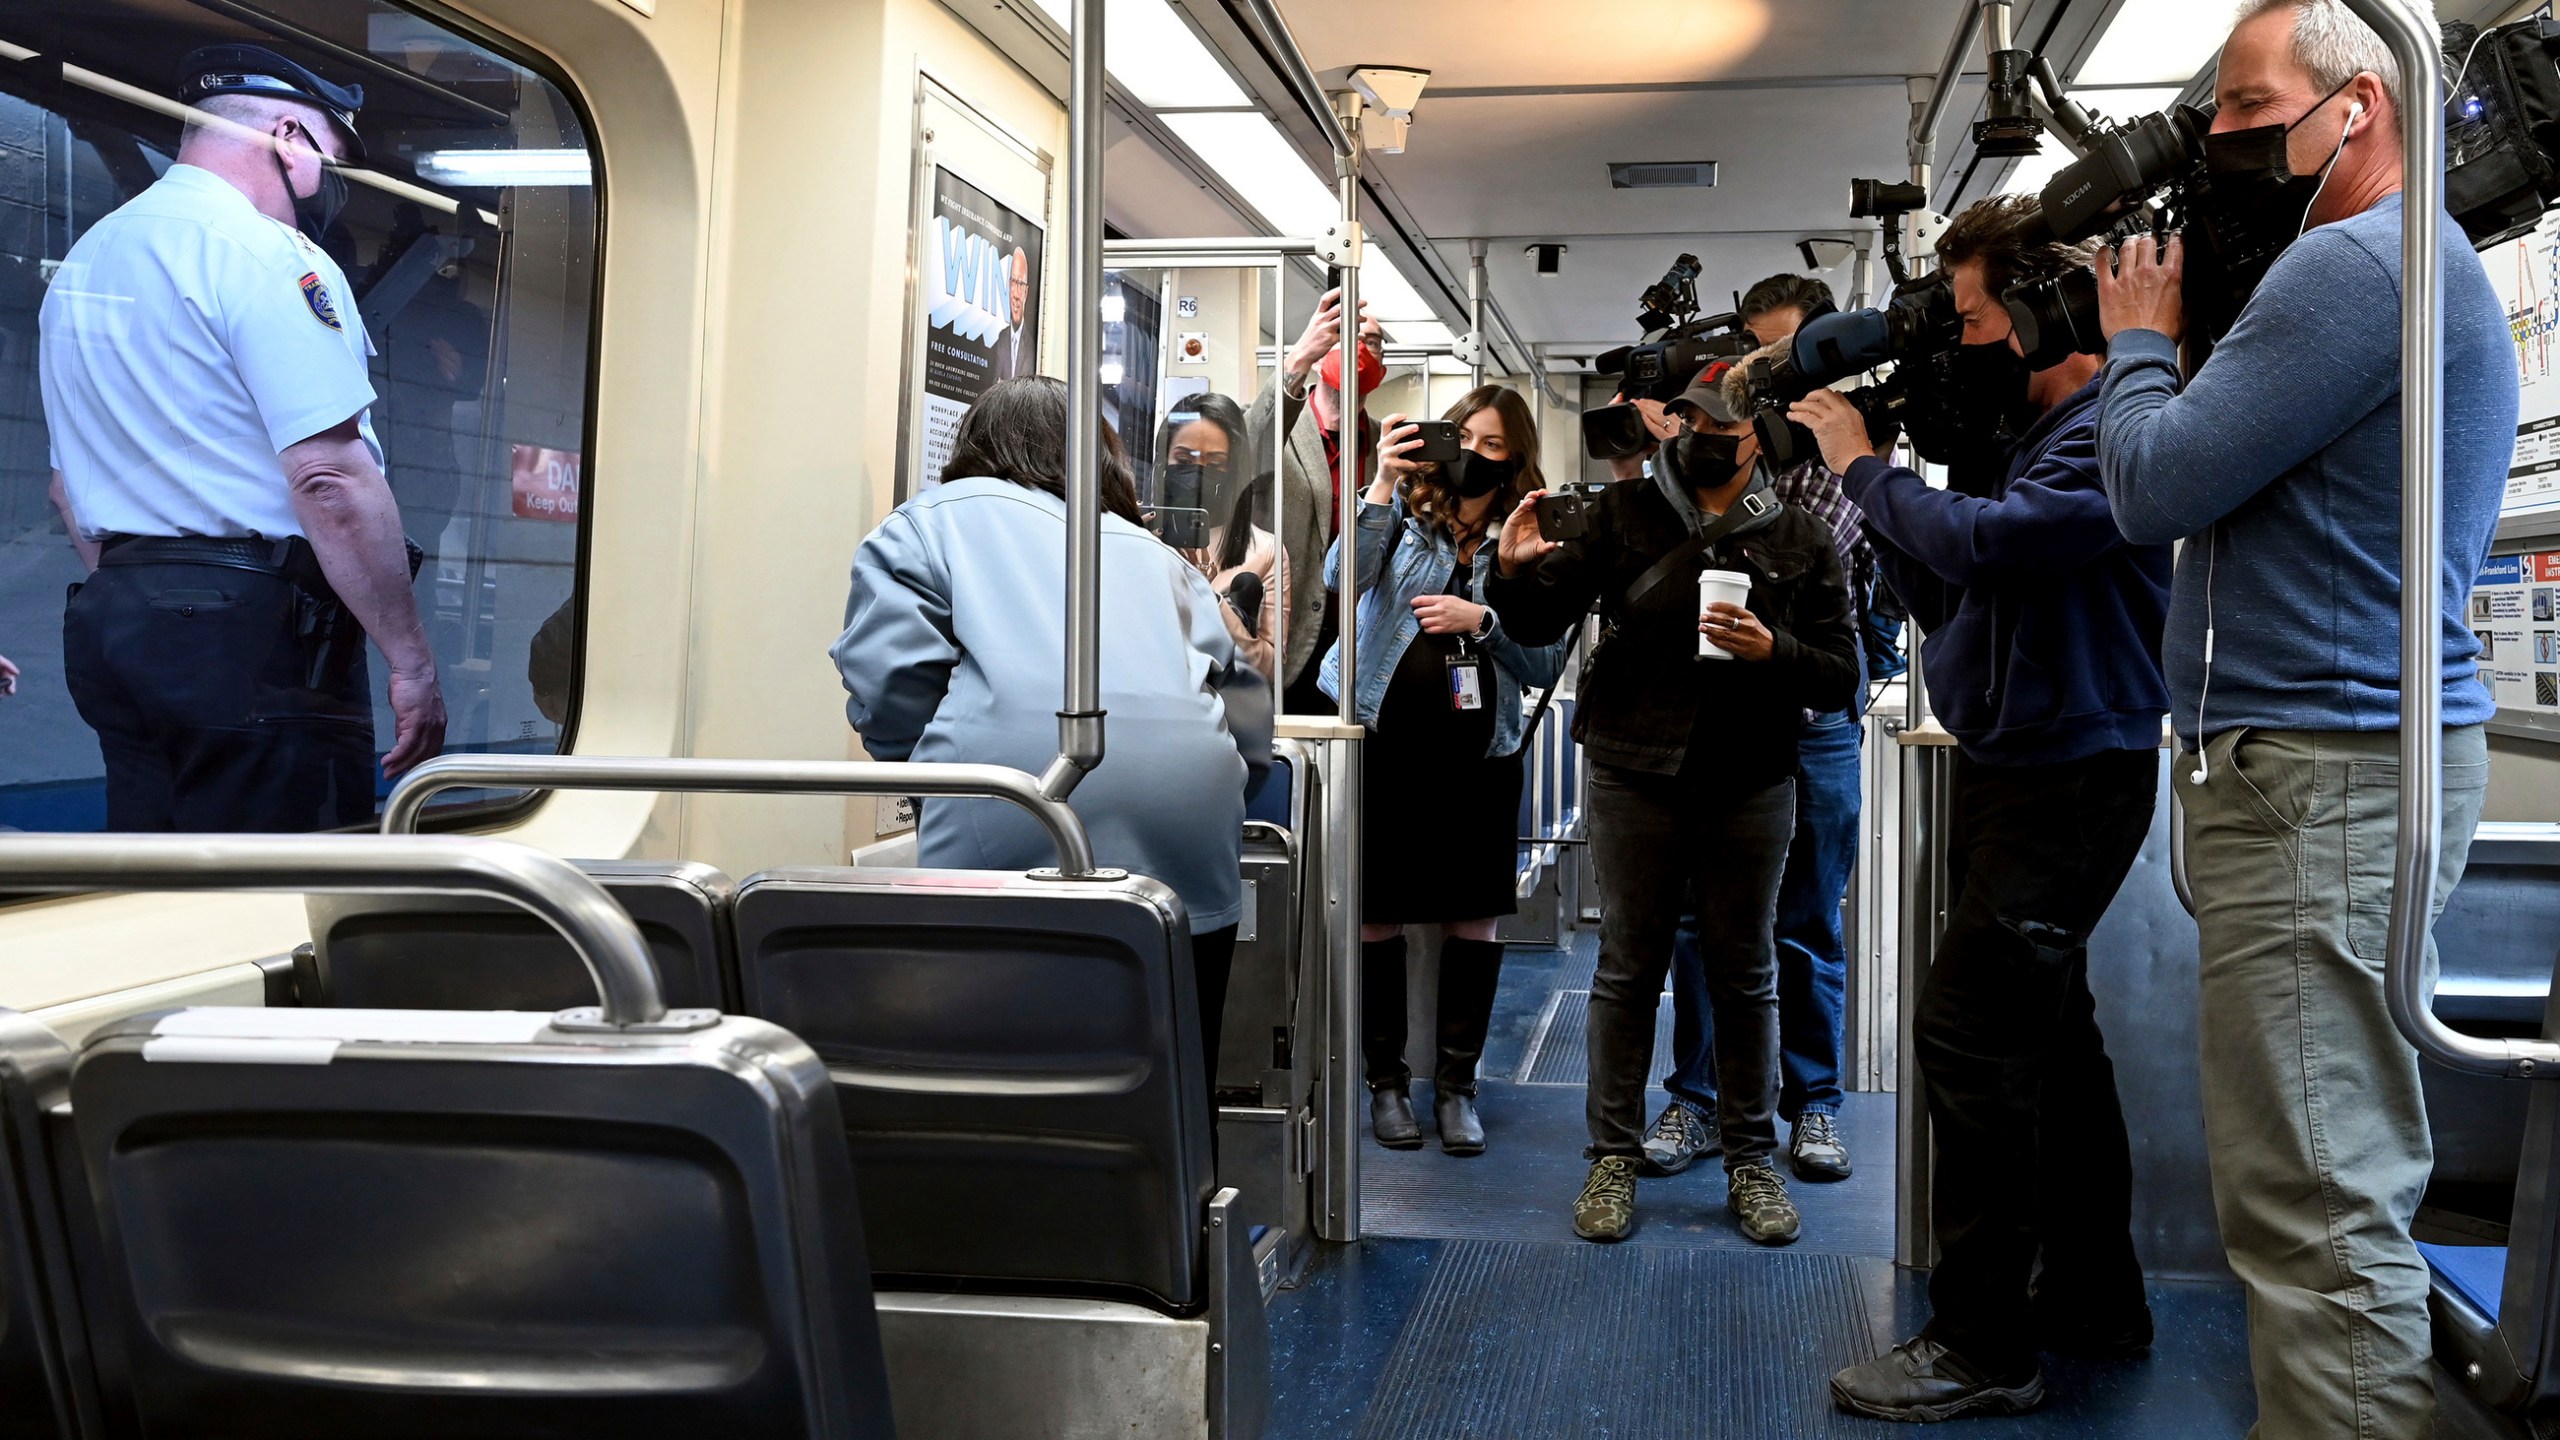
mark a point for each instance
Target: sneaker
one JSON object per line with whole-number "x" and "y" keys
{"x": 1759, "y": 1198}
{"x": 1606, "y": 1210}
{"x": 1815, "y": 1151}
{"x": 1680, "y": 1138}
{"x": 1923, "y": 1381}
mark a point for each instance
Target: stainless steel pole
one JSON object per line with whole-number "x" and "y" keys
{"x": 596, "y": 928}
{"x": 1080, "y": 741}
{"x": 1924, "y": 125}
{"x": 1475, "y": 311}
{"x": 2419, "y": 840}
{"x": 1342, "y": 1123}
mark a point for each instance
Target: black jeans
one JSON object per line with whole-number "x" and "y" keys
{"x": 1213, "y": 957}
{"x": 2032, "y": 1160}
{"x": 213, "y": 711}
{"x": 1653, "y": 840}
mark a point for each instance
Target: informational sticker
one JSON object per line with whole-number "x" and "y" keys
{"x": 545, "y": 483}
{"x": 1191, "y": 347}
{"x": 2525, "y": 273}
{"x": 1186, "y": 307}
{"x": 2515, "y": 610}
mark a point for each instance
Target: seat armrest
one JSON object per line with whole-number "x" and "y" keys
{"x": 284, "y": 975}
{"x": 1239, "y": 1332}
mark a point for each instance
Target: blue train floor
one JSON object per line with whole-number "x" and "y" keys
{"x": 1471, "y": 1310}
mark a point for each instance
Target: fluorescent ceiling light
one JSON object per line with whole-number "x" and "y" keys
{"x": 1249, "y": 154}
{"x": 2031, "y": 173}
{"x": 2156, "y": 42}
{"x": 505, "y": 167}
{"x": 1149, "y": 50}
{"x": 1108, "y": 372}
{"x": 1414, "y": 332}
{"x": 1115, "y": 308}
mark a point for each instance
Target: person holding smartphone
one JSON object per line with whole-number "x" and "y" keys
{"x": 1439, "y": 688}
{"x": 1693, "y": 763}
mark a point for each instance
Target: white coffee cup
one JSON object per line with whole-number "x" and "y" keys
{"x": 1730, "y": 587}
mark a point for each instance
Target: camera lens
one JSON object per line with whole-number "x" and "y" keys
{"x": 1871, "y": 198}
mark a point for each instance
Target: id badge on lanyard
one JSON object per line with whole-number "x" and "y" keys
{"x": 1466, "y": 680}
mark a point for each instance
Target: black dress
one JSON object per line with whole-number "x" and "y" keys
{"x": 1442, "y": 839}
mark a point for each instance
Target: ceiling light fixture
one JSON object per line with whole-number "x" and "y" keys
{"x": 499, "y": 168}
{"x": 2150, "y": 42}
{"x": 1154, "y": 55}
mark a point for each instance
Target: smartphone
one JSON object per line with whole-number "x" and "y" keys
{"x": 1439, "y": 441}
{"x": 1564, "y": 515}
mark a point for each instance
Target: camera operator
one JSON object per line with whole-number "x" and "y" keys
{"x": 1307, "y": 398}
{"x": 2279, "y": 465}
{"x": 1692, "y": 781}
{"x": 1813, "y": 959}
{"x": 2043, "y": 630}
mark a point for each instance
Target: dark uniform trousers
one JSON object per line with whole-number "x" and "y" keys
{"x": 224, "y": 698}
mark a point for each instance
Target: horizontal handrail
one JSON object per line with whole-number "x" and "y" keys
{"x": 686, "y": 774}
{"x": 604, "y": 937}
{"x": 1251, "y": 247}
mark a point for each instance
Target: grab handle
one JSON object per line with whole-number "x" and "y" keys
{"x": 742, "y": 777}
{"x": 595, "y": 927}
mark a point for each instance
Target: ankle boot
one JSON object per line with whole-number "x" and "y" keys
{"x": 1382, "y": 1011}
{"x": 1461, "y": 1130}
{"x": 1470, "y": 971}
{"x": 1391, "y": 1117}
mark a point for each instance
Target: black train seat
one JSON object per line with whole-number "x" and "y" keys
{"x": 47, "y": 1389}
{"x": 462, "y": 952}
{"x": 616, "y": 1220}
{"x": 1018, "y": 1065}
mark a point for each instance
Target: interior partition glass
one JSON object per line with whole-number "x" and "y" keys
{"x": 468, "y": 245}
{"x": 1185, "y": 361}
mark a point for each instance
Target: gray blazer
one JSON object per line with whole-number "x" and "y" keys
{"x": 1305, "y": 521}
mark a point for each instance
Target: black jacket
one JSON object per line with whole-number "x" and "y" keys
{"x": 1643, "y": 688}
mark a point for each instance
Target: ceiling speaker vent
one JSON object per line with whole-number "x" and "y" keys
{"x": 1663, "y": 175}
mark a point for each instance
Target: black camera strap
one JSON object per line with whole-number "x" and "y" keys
{"x": 1756, "y": 507}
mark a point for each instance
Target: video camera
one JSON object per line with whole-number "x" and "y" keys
{"x": 1913, "y": 331}
{"x": 1678, "y": 344}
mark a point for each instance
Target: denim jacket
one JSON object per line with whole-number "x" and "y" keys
{"x": 1424, "y": 560}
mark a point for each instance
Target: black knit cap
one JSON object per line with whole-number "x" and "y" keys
{"x": 257, "y": 70}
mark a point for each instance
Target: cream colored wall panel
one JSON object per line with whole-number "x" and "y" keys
{"x": 62, "y": 951}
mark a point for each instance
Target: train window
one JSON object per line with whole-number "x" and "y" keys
{"x": 466, "y": 243}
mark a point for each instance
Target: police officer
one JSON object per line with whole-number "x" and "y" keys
{"x": 205, "y": 388}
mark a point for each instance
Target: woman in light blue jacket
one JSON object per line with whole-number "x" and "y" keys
{"x": 1439, "y": 688}
{"x": 953, "y": 650}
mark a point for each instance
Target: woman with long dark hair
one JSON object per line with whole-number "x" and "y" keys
{"x": 1210, "y": 489}
{"x": 1439, "y": 688}
{"x": 953, "y": 650}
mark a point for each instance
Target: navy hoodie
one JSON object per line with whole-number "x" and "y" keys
{"x": 2042, "y": 622}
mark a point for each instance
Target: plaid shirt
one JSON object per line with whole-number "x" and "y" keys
{"x": 1812, "y": 488}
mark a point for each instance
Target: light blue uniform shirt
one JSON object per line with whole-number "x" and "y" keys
{"x": 187, "y": 340}
{"x": 954, "y": 651}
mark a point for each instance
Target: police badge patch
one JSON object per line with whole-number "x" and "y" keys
{"x": 315, "y": 293}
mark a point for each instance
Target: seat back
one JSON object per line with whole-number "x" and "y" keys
{"x": 46, "y": 1386}
{"x": 1017, "y": 1063}
{"x": 412, "y": 1224}
{"x": 462, "y": 952}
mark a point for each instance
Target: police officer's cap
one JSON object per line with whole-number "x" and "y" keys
{"x": 257, "y": 70}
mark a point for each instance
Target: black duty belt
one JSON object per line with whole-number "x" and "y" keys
{"x": 253, "y": 552}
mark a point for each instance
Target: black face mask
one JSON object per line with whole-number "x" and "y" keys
{"x": 2259, "y": 205}
{"x": 314, "y": 213}
{"x": 1703, "y": 460}
{"x": 1474, "y": 476}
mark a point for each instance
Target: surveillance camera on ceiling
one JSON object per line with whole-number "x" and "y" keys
{"x": 1548, "y": 254}
{"x": 1826, "y": 254}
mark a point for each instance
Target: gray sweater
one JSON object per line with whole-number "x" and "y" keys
{"x": 2286, "y": 448}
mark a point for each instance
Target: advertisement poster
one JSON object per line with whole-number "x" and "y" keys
{"x": 981, "y": 277}
{"x": 2515, "y": 610}
{"x": 2526, "y": 275}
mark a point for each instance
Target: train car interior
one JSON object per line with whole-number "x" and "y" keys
{"x": 720, "y": 1001}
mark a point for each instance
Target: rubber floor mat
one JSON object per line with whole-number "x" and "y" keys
{"x": 1513, "y": 1340}
{"x": 1560, "y": 1049}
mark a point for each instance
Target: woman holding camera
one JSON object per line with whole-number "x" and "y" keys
{"x": 1439, "y": 688}
{"x": 1204, "y": 454}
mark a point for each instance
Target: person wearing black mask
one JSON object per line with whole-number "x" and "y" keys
{"x": 2042, "y": 658}
{"x": 1439, "y": 689}
{"x": 1689, "y": 715}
